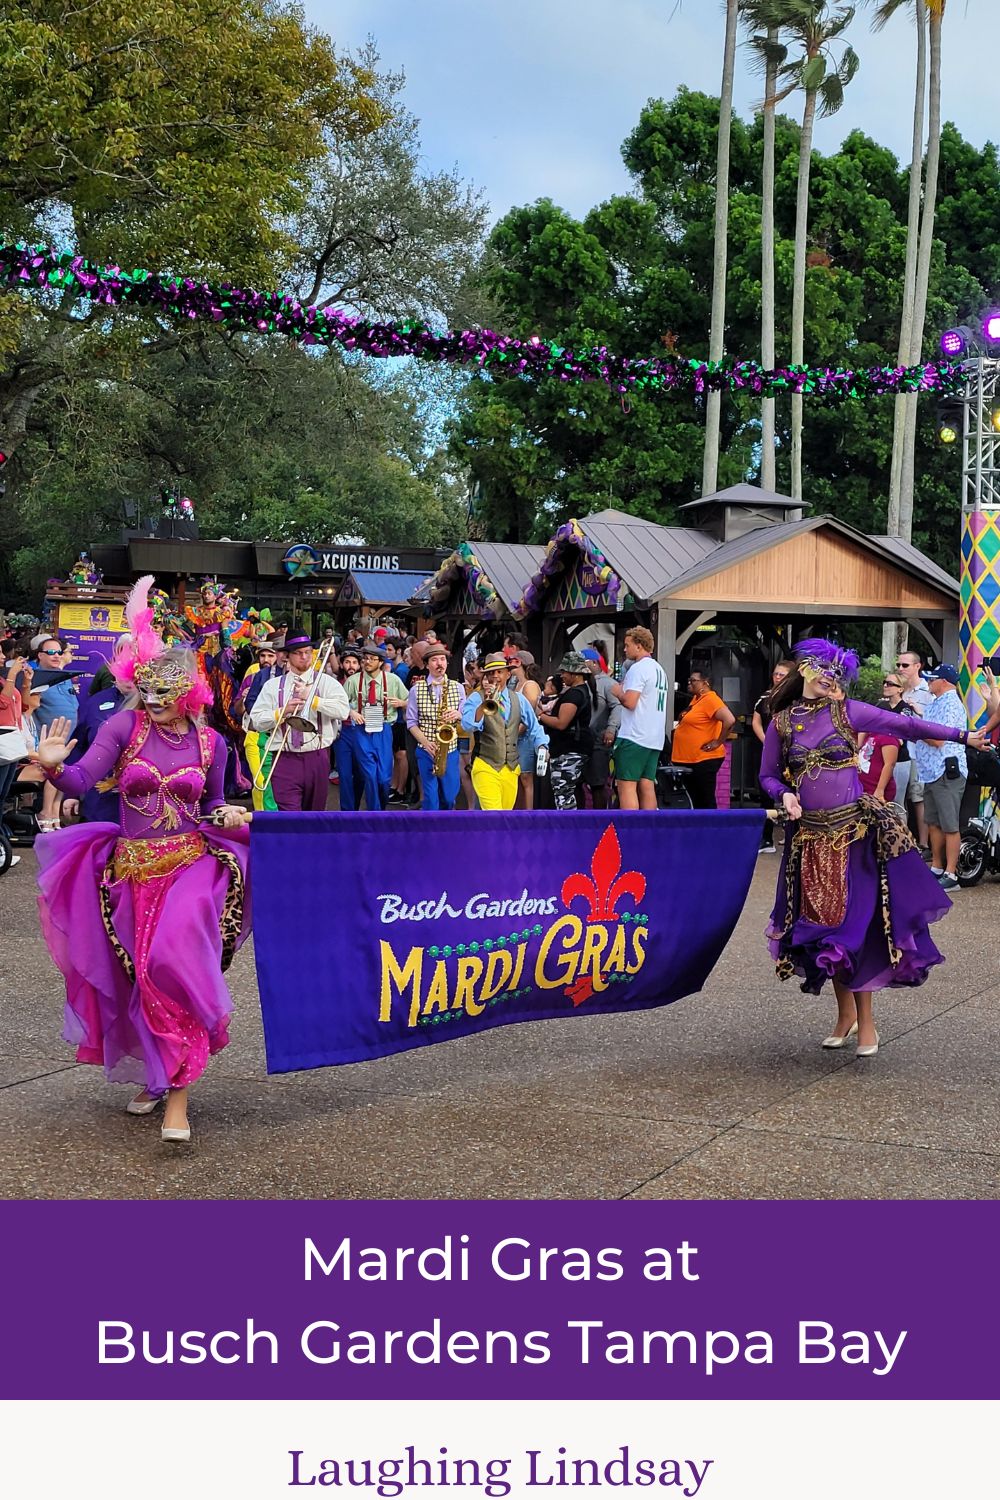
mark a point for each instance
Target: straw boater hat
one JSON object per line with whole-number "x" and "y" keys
{"x": 496, "y": 662}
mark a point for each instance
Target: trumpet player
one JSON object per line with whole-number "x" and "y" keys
{"x": 301, "y": 775}
{"x": 499, "y": 717}
{"x": 433, "y": 716}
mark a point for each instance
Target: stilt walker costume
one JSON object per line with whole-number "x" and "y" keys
{"x": 143, "y": 916}
{"x": 854, "y": 896}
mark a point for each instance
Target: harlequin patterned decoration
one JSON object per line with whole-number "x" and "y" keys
{"x": 979, "y": 612}
{"x": 480, "y": 591}
{"x": 576, "y": 590}
{"x": 603, "y": 581}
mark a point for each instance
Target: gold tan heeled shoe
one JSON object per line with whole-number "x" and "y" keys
{"x": 141, "y": 1106}
{"x": 832, "y": 1043}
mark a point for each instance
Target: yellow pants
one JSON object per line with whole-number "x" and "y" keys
{"x": 252, "y": 746}
{"x": 496, "y": 790}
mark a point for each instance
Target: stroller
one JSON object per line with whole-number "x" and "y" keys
{"x": 20, "y": 805}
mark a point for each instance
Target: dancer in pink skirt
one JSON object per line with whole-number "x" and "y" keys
{"x": 142, "y": 917}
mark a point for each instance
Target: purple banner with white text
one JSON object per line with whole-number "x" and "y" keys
{"x": 486, "y": 1301}
{"x": 440, "y": 925}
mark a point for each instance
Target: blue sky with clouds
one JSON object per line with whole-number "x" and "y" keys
{"x": 533, "y": 98}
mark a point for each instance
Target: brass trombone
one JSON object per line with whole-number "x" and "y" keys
{"x": 289, "y": 720}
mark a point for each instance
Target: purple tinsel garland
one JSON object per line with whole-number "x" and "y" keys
{"x": 23, "y": 266}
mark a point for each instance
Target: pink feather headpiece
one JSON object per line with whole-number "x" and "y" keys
{"x": 822, "y": 658}
{"x": 141, "y": 661}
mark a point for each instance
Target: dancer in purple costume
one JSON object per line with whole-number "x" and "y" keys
{"x": 854, "y": 896}
{"x": 143, "y": 916}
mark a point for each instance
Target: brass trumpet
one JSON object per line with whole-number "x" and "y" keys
{"x": 490, "y": 704}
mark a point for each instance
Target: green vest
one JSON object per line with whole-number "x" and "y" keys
{"x": 498, "y": 737}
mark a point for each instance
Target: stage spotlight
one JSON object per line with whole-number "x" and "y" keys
{"x": 949, "y": 427}
{"x": 995, "y": 416}
{"x": 991, "y": 327}
{"x": 954, "y": 343}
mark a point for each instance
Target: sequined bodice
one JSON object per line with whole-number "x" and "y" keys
{"x": 166, "y": 781}
{"x": 821, "y": 756}
{"x": 831, "y": 753}
{"x": 162, "y": 796}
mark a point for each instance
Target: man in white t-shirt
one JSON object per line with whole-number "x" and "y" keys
{"x": 643, "y": 729}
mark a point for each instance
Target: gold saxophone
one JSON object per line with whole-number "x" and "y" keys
{"x": 445, "y": 736}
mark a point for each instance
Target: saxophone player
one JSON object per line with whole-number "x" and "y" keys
{"x": 433, "y": 713}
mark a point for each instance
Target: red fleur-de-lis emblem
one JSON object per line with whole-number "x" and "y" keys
{"x": 603, "y": 892}
{"x": 581, "y": 989}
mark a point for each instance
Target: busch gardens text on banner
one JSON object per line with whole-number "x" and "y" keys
{"x": 422, "y": 928}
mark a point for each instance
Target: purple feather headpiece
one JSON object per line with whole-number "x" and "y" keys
{"x": 821, "y": 658}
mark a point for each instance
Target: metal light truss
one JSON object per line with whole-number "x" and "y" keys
{"x": 981, "y": 470}
{"x": 979, "y": 607}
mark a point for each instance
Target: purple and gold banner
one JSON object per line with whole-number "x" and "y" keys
{"x": 375, "y": 933}
{"x": 92, "y": 629}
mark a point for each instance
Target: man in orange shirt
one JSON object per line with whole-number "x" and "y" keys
{"x": 699, "y": 742}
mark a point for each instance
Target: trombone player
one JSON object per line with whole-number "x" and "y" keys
{"x": 433, "y": 713}
{"x": 498, "y": 715}
{"x": 302, "y": 711}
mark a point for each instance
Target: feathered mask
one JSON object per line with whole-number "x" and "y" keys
{"x": 821, "y": 658}
{"x": 163, "y": 677}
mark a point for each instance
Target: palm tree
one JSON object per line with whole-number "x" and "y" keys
{"x": 894, "y": 635}
{"x": 815, "y": 25}
{"x": 764, "y": 39}
{"x": 886, "y": 10}
{"x": 713, "y": 415}
{"x": 935, "y": 15}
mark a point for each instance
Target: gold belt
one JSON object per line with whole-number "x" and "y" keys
{"x": 147, "y": 859}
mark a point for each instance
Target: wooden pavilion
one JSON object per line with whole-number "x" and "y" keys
{"x": 474, "y": 593}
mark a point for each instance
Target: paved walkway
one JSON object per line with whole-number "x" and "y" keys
{"x": 724, "y": 1095}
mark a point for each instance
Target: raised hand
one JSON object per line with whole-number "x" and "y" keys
{"x": 54, "y": 744}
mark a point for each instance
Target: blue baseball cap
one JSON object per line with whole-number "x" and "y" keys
{"x": 945, "y": 671}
